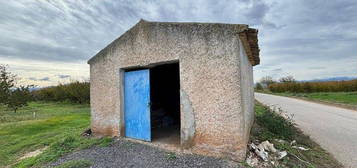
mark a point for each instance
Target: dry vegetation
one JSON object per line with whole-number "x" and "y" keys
{"x": 309, "y": 87}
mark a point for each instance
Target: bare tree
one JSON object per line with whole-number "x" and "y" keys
{"x": 287, "y": 79}
{"x": 267, "y": 80}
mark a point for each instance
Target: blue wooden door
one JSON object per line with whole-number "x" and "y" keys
{"x": 136, "y": 104}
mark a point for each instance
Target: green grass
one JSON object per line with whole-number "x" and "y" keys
{"x": 55, "y": 125}
{"x": 348, "y": 98}
{"x": 269, "y": 125}
{"x": 58, "y": 126}
{"x": 171, "y": 156}
{"x": 278, "y": 126}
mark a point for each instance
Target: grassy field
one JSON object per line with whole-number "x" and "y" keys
{"x": 56, "y": 126}
{"x": 271, "y": 126}
{"x": 338, "y": 98}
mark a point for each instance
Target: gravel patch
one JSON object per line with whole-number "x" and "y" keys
{"x": 123, "y": 153}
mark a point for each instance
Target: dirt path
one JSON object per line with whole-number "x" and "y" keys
{"x": 123, "y": 153}
{"x": 334, "y": 128}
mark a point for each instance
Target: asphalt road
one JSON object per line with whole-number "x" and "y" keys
{"x": 334, "y": 128}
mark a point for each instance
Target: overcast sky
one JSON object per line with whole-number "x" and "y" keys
{"x": 47, "y": 42}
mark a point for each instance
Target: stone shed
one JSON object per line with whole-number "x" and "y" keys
{"x": 186, "y": 84}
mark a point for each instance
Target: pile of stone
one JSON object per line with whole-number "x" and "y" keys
{"x": 264, "y": 154}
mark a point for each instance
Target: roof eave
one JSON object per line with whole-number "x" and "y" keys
{"x": 249, "y": 38}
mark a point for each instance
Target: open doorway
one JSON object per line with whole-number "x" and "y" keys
{"x": 165, "y": 103}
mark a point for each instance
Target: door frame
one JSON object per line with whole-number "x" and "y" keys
{"x": 122, "y": 70}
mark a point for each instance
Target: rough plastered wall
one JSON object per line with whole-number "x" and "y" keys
{"x": 213, "y": 120}
{"x": 247, "y": 91}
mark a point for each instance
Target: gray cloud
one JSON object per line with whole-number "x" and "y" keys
{"x": 40, "y": 79}
{"x": 316, "y": 68}
{"x": 293, "y": 34}
{"x": 277, "y": 70}
{"x": 64, "y": 76}
{"x": 74, "y": 31}
{"x": 44, "y": 79}
{"x": 33, "y": 78}
{"x": 257, "y": 13}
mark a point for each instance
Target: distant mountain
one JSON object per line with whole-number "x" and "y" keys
{"x": 342, "y": 78}
{"x": 34, "y": 88}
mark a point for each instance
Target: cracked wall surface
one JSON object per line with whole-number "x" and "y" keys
{"x": 216, "y": 109}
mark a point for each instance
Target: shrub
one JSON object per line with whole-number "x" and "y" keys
{"x": 10, "y": 95}
{"x": 267, "y": 81}
{"x": 308, "y": 87}
{"x": 76, "y": 92}
{"x": 18, "y": 98}
{"x": 258, "y": 86}
{"x": 7, "y": 81}
{"x": 274, "y": 122}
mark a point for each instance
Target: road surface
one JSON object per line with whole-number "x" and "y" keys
{"x": 334, "y": 128}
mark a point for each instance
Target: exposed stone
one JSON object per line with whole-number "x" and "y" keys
{"x": 282, "y": 154}
{"x": 301, "y": 148}
{"x": 266, "y": 145}
{"x": 259, "y": 150}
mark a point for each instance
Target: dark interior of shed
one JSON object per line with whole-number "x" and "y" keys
{"x": 165, "y": 103}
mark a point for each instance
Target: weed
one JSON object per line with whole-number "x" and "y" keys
{"x": 275, "y": 123}
{"x": 106, "y": 141}
{"x": 171, "y": 156}
{"x": 270, "y": 125}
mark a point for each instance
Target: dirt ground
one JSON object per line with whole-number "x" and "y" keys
{"x": 124, "y": 153}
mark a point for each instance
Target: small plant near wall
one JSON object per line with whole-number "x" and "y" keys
{"x": 171, "y": 156}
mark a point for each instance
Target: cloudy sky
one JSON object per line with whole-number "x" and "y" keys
{"x": 47, "y": 42}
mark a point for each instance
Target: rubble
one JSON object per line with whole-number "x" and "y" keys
{"x": 282, "y": 154}
{"x": 301, "y": 148}
{"x": 264, "y": 154}
{"x": 259, "y": 150}
{"x": 280, "y": 141}
{"x": 252, "y": 161}
{"x": 266, "y": 145}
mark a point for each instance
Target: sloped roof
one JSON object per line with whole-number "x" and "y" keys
{"x": 248, "y": 36}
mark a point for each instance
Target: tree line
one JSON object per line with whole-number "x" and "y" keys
{"x": 75, "y": 92}
{"x": 16, "y": 96}
{"x": 289, "y": 84}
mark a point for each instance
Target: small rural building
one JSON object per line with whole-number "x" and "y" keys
{"x": 190, "y": 84}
